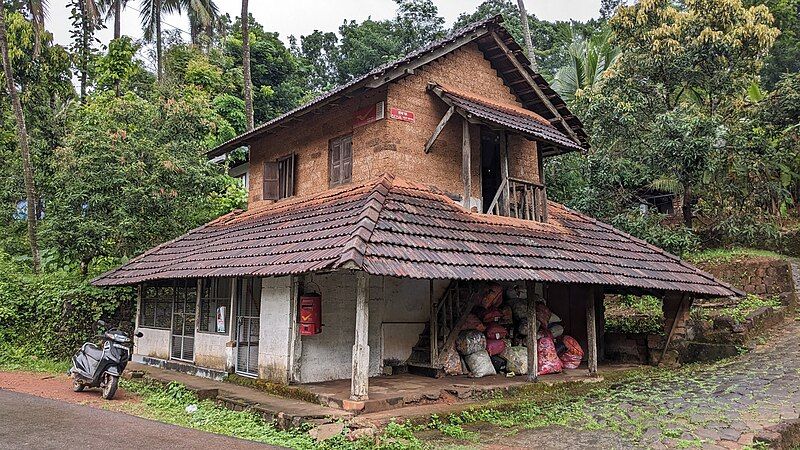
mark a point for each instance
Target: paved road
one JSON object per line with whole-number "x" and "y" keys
{"x": 27, "y": 421}
{"x": 714, "y": 407}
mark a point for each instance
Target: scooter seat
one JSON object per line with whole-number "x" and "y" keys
{"x": 92, "y": 351}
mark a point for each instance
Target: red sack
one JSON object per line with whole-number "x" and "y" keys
{"x": 473, "y": 323}
{"x": 543, "y": 313}
{"x": 571, "y": 359}
{"x": 492, "y": 315}
{"x": 548, "y": 359}
{"x": 496, "y": 331}
{"x": 495, "y": 346}
{"x": 490, "y": 296}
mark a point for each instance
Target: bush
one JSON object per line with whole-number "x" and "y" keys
{"x": 51, "y": 314}
{"x": 649, "y": 227}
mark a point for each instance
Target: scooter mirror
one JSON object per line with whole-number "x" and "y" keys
{"x": 101, "y": 323}
{"x": 139, "y": 334}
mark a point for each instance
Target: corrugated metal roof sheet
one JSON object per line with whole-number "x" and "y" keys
{"x": 394, "y": 227}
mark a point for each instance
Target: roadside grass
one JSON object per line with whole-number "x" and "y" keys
{"x": 723, "y": 255}
{"x": 14, "y": 358}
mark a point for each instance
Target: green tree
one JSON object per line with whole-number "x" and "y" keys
{"x": 133, "y": 173}
{"x": 22, "y": 141}
{"x": 669, "y": 100}
{"x": 784, "y": 57}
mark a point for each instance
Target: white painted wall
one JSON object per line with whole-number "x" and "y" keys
{"x": 277, "y": 326}
{"x": 210, "y": 350}
{"x": 154, "y": 343}
{"x": 403, "y": 302}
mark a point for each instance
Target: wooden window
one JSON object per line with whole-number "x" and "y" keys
{"x": 341, "y": 160}
{"x": 215, "y": 301}
{"x": 279, "y": 178}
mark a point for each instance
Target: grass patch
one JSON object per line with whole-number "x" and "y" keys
{"x": 634, "y": 314}
{"x": 724, "y": 255}
{"x": 14, "y": 358}
{"x": 747, "y": 305}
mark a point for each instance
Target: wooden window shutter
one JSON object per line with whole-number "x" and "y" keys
{"x": 336, "y": 162}
{"x": 271, "y": 188}
{"x": 347, "y": 160}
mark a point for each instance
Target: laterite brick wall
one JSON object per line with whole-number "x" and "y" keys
{"x": 391, "y": 145}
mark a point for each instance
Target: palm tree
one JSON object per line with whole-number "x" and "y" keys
{"x": 200, "y": 12}
{"x": 248, "y": 81}
{"x": 22, "y": 138}
{"x": 38, "y": 12}
{"x": 523, "y": 15}
{"x": 203, "y": 17}
{"x": 114, "y": 8}
{"x": 589, "y": 58}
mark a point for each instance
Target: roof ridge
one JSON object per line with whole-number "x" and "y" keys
{"x": 354, "y": 251}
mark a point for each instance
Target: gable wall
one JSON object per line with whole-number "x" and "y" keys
{"x": 465, "y": 69}
{"x": 395, "y": 146}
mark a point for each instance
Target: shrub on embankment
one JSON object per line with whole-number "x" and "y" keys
{"x": 52, "y": 313}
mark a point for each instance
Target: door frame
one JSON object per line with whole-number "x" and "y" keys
{"x": 183, "y": 284}
{"x": 242, "y": 284}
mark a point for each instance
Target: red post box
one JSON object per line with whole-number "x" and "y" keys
{"x": 310, "y": 314}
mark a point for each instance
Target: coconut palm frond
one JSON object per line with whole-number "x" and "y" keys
{"x": 667, "y": 184}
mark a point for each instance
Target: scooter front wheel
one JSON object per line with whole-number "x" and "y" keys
{"x": 110, "y": 386}
{"x": 77, "y": 386}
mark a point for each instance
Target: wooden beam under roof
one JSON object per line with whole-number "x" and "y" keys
{"x": 523, "y": 71}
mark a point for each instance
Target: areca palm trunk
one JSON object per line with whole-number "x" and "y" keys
{"x": 22, "y": 138}
{"x": 523, "y": 16}
{"x": 159, "y": 56}
{"x": 248, "y": 81}
{"x": 117, "y": 19}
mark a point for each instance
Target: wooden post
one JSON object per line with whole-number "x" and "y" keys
{"x": 543, "y": 194}
{"x": 679, "y": 312}
{"x": 591, "y": 333}
{"x": 505, "y": 208}
{"x": 359, "y": 381}
{"x": 433, "y": 325}
{"x": 466, "y": 160}
{"x": 530, "y": 340}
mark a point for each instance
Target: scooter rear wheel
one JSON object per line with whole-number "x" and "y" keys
{"x": 77, "y": 386}
{"x": 110, "y": 386}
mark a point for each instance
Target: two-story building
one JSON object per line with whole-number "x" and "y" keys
{"x": 390, "y": 200}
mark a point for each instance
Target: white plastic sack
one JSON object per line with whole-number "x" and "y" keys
{"x": 480, "y": 364}
{"x": 516, "y": 359}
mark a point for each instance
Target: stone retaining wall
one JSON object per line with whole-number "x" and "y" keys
{"x": 760, "y": 276}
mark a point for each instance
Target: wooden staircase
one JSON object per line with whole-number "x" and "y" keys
{"x": 447, "y": 314}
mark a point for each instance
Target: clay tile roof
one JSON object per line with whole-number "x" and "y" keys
{"x": 394, "y": 227}
{"x": 505, "y": 115}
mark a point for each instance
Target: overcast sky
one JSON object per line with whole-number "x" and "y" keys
{"x": 301, "y": 17}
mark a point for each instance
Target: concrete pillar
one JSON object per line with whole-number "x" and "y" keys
{"x": 359, "y": 381}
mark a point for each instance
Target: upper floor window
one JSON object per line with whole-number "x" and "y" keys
{"x": 341, "y": 160}
{"x": 279, "y": 178}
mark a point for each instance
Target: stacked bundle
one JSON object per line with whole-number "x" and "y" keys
{"x": 492, "y": 338}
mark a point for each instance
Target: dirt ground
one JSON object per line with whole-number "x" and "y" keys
{"x": 59, "y": 387}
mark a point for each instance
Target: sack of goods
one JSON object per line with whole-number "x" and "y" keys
{"x": 496, "y": 331}
{"x": 492, "y": 315}
{"x": 516, "y": 359}
{"x": 480, "y": 364}
{"x": 490, "y": 296}
{"x": 573, "y": 353}
{"x": 470, "y": 341}
{"x": 548, "y": 358}
{"x": 495, "y": 346}
{"x": 472, "y": 322}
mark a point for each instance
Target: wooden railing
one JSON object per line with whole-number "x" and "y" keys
{"x": 521, "y": 199}
{"x": 446, "y": 314}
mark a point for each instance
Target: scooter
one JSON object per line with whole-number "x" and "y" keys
{"x": 99, "y": 367}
